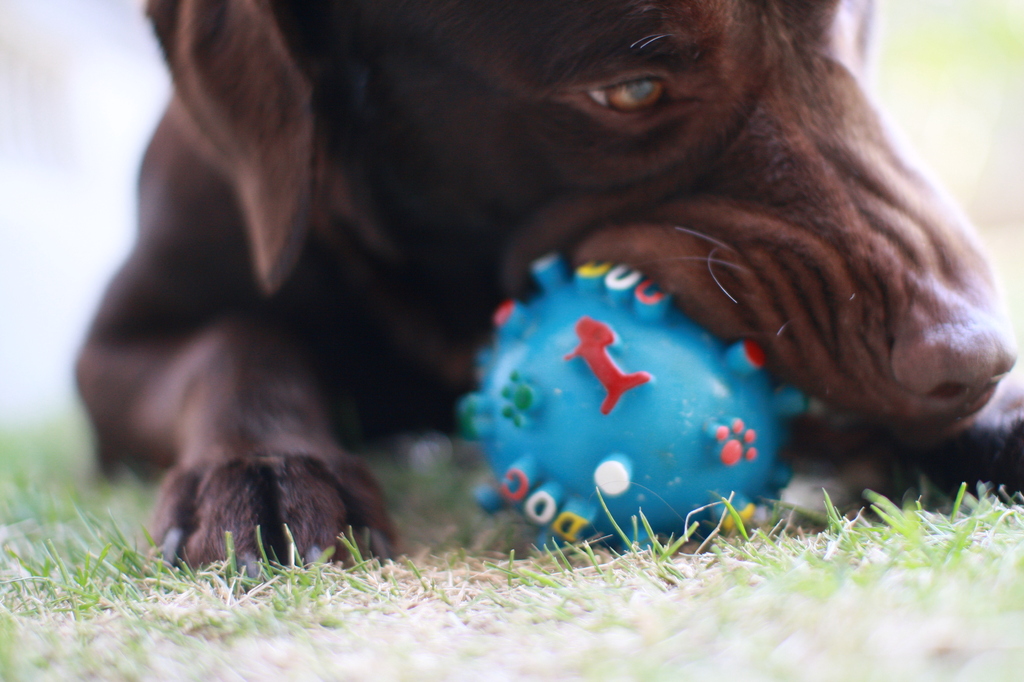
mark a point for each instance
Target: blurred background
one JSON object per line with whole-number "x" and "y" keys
{"x": 82, "y": 85}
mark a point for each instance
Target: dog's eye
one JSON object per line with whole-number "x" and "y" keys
{"x": 630, "y": 96}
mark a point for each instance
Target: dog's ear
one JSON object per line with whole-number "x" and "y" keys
{"x": 235, "y": 70}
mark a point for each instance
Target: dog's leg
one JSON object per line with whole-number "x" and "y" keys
{"x": 188, "y": 367}
{"x": 238, "y": 412}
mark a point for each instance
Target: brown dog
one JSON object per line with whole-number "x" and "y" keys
{"x": 341, "y": 192}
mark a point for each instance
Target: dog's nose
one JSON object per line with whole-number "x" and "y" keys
{"x": 955, "y": 359}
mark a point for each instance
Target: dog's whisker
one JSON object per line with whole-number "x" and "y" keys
{"x": 701, "y": 259}
{"x": 701, "y": 235}
{"x": 654, "y": 39}
{"x": 783, "y": 328}
{"x": 712, "y": 273}
{"x": 644, "y": 42}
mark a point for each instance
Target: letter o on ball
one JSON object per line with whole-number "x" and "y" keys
{"x": 540, "y": 507}
{"x": 622, "y": 277}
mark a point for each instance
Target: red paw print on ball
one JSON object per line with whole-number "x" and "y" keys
{"x": 734, "y": 438}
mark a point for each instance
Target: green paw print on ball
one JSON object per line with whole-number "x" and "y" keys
{"x": 521, "y": 397}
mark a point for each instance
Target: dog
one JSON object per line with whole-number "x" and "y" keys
{"x": 342, "y": 191}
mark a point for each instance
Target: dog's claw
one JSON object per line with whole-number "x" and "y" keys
{"x": 313, "y": 554}
{"x": 250, "y": 565}
{"x": 380, "y": 545}
{"x": 171, "y": 545}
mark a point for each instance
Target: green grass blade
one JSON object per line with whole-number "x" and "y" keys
{"x": 959, "y": 500}
{"x": 736, "y": 518}
{"x": 625, "y": 540}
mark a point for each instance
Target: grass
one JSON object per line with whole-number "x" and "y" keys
{"x": 891, "y": 593}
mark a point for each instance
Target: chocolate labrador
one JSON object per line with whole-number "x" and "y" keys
{"x": 341, "y": 192}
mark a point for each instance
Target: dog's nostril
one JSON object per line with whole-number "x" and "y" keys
{"x": 952, "y": 361}
{"x": 948, "y": 391}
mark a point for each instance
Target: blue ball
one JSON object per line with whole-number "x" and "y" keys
{"x": 600, "y": 384}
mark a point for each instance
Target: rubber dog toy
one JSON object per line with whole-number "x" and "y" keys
{"x": 600, "y": 384}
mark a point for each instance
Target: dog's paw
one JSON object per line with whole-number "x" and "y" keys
{"x": 294, "y": 495}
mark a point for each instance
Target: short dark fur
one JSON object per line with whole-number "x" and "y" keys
{"x": 341, "y": 191}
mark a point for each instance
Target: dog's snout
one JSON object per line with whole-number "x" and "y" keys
{"x": 959, "y": 359}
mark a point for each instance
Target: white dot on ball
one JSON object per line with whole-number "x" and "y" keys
{"x": 612, "y": 477}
